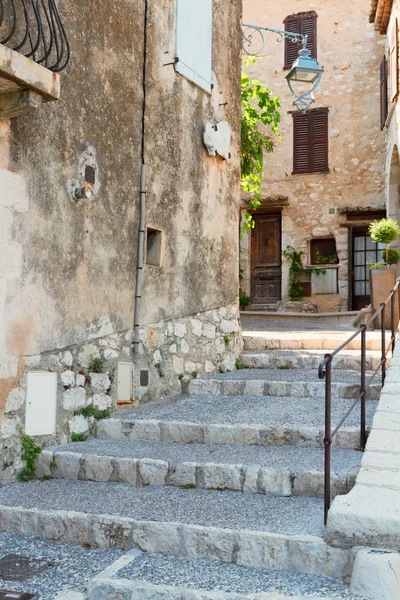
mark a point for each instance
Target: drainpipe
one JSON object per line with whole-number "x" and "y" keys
{"x": 142, "y": 219}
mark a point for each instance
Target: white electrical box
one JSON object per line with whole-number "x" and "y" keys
{"x": 41, "y": 403}
{"x": 125, "y": 383}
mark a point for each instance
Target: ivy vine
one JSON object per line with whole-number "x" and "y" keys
{"x": 296, "y": 269}
{"x": 259, "y": 107}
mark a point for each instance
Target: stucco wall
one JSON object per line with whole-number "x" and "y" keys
{"x": 350, "y": 51}
{"x": 68, "y": 272}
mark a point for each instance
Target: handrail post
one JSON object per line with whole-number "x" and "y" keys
{"x": 392, "y": 306}
{"x": 328, "y": 436}
{"x": 363, "y": 386}
{"x": 383, "y": 343}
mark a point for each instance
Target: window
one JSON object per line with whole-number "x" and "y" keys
{"x": 306, "y": 24}
{"x": 310, "y": 141}
{"x": 154, "y": 247}
{"x": 323, "y": 252}
{"x": 393, "y": 60}
{"x": 383, "y": 92}
{"x": 194, "y": 41}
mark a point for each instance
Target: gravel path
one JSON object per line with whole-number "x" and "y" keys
{"x": 203, "y": 574}
{"x": 285, "y": 324}
{"x": 292, "y": 375}
{"x": 70, "y": 566}
{"x": 255, "y": 410}
{"x": 229, "y": 510}
{"x": 295, "y": 459}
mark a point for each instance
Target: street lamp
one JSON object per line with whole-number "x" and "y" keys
{"x": 305, "y": 70}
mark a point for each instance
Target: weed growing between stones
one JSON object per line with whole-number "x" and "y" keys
{"x": 180, "y": 377}
{"x": 29, "y": 453}
{"x": 285, "y": 367}
{"x": 195, "y": 374}
{"x": 227, "y": 341}
{"x": 159, "y": 370}
{"x": 93, "y": 411}
{"x": 97, "y": 364}
{"x": 189, "y": 486}
{"x": 240, "y": 365}
{"x": 78, "y": 437}
{"x": 221, "y": 369}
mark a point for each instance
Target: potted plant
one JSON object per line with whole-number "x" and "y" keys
{"x": 383, "y": 277}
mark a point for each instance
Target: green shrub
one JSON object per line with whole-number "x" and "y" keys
{"x": 375, "y": 265}
{"x": 29, "y": 453}
{"x": 97, "y": 364}
{"x": 93, "y": 411}
{"x": 78, "y": 437}
{"x": 393, "y": 256}
{"x": 243, "y": 299}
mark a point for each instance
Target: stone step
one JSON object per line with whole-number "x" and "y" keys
{"x": 305, "y": 340}
{"x": 247, "y": 529}
{"x": 308, "y": 359}
{"x": 142, "y": 575}
{"x": 283, "y": 471}
{"x": 248, "y": 420}
{"x": 276, "y": 382}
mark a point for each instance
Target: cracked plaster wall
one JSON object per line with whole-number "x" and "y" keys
{"x": 67, "y": 279}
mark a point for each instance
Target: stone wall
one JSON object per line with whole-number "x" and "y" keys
{"x": 350, "y": 51}
{"x": 67, "y": 269}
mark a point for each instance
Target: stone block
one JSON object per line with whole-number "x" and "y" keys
{"x": 110, "y": 353}
{"x": 111, "y": 532}
{"x": 68, "y": 465}
{"x": 376, "y": 574}
{"x": 217, "y": 476}
{"x": 88, "y": 352}
{"x": 43, "y": 467}
{"x": 175, "y": 431}
{"x": 183, "y": 474}
{"x": 127, "y": 470}
{"x": 80, "y": 380}
{"x": 231, "y": 387}
{"x": 15, "y": 400}
{"x": 197, "y": 327}
{"x": 150, "y": 536}
{"x": 19, "y": 520}
{"x": 145, "y": 430}
{"x": 209, "y": 331}
{"x": 275, "y": 481}
{"x": 262, "y": 550}
{"x": 309, "y": 554}
{"x": 68, "y": 378}
{"x": 275, "y": 388}
{"x": 70, "y": 527}
{"x": 229, "y": 326}
{"x": 153, "y": 472}
{"x": 100, "y": 382}
{"x": 208, "y": 542}
{"x": 311, "y": 484}
{"x": 251, "y": 480}
{"x": 211, "y": 387}
{"x": 67, "y": 359}
{"x": 78, "y": 424}
{"x": 180, "y": 330}
{"x": 73, "y": 398}
{"x": 98, "y": 468}
{"x": 178, "y": 365}
{"x": 101, "y": 401}
{"x": 109, "y": 429}
{"x": 254, "y": 388}
{"x": 231, "y": 434}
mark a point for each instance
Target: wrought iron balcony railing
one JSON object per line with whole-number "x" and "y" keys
{"x": 34, "y": 28}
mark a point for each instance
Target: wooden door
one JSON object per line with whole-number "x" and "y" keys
{"x": 266, "y": 261}
{"x": 363, "y": 251}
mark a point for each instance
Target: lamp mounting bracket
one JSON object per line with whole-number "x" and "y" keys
{"x": 263, "y": 41}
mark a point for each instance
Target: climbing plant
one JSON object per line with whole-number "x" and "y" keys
{"x": 259, "y": 107}
{"x": 29, "y": 453}
{"x": 296, "y": 269}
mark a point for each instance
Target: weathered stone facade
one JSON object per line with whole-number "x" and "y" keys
{"x": 349, "y": 50}
{"x": 67, "y": 269}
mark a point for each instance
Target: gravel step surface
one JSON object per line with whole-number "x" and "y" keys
{"x": 286, "y": 324}
{"x": 256, "y": 410}
{"x": 70, "y": 566}
{"x": 228, "y": 510}
{"x": 294, "y": 459}
{"x": 204, "y": 574}
{"x": 292, "y": 375}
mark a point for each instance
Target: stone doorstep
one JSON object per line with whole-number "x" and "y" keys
{"x": 299, "y": 553}
{"x": 260, "y": 342}
{"x": 348, "y": 438}
{"x": 103, "y": 589}
{"x": 250, "y": 479}
{"x": 260, "y": 387}
{"x": 273, "y": 360}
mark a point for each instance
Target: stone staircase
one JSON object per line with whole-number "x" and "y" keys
{"x": 218, "y": 491}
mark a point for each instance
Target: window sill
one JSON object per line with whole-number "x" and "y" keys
{"x": 311, "y": 172}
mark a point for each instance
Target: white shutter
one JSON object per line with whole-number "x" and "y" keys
{"x": 393, "y": 63}
{"x": 194, "y": 41}
{"x": 325, "y": 284}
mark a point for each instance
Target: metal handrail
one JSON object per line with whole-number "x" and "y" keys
{"x": 325, "y": 372}
{"x": 34, "y": 28}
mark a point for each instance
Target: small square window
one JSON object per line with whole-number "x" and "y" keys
{"x": 154, "y": 247}
{"x": 323, "y": 252}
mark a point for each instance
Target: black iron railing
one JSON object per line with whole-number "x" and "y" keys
{"x": 34, "y": 28}
{"x": 325, "y": 372}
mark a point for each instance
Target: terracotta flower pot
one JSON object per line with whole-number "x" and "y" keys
{"x": 382, "y": 282}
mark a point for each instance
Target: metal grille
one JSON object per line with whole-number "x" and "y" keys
{"x": 7, "y": 595}
{"x": 14, "y": 567}
{"x": 90, "y": 174}
{"x": 35, "y": 29}
{"x": 144, "y": 378}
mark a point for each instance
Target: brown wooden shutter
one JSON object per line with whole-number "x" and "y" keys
{"x": 383, "y": 92}
{"x": 393, "y": 63}
{"x": 306, "y": 24}
{"x": 310, "y": 142}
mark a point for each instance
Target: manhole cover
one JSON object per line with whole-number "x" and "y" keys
{"x": 15, "y": 595}
{"x": 14, "y": 567}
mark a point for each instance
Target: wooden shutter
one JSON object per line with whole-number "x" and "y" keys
{"x": 393, "y": 63}
{"x": 306, "y": 24}
{"x": 383, "y": 92}
{"x": 194, "y": 41}
{"x": 310, "y": 142}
